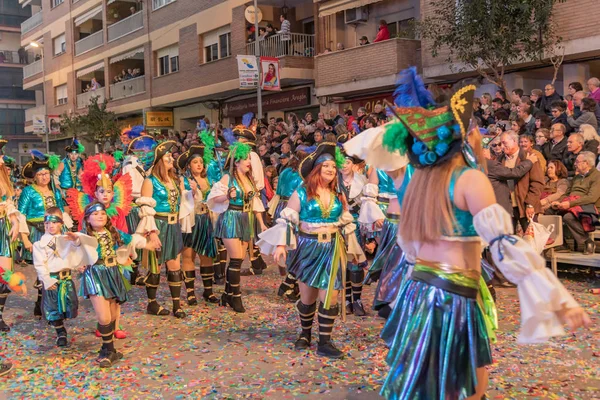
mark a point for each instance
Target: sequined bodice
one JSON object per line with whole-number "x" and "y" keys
{"x": 33, "y": 204}
{"x": 410, "y": 170}
{"x": 463, "y": 225}
{"x": 289, "y": 180}
{"x": 106, "y": 247}
{"x": 167, "y": 200}
{"x": 239, "y": 192}
{"x": 312, "y": 211}
{"x": 386, "y": 183}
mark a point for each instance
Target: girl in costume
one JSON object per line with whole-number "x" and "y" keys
{"x": 201, "y": 242}
{"x": 59, "y": 296}
{"x": 318, "y": 211}
{"x": 71, "y": 166}
{"x": 440, "y": 329}
{"x": 160, "y": 202}
{"x": 15, "y": 281}
{"x": 237, "y": 201}
{"x": 103, "y": 281}
{"x": 35, "y": 199}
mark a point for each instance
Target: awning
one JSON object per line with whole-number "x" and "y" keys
{"x": 89, "y": 70}
{"x": 127, "y": 55}
{"x": 88, "y": 15}
{"x": 334, "y": 6}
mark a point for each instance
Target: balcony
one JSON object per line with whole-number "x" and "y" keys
{"x": 128, "y": 88}
{"x": 30, "y": 112}
{"x": 299, "y": 45}
{"x": 83, "y": 99}
{"x": 12, "y": 57}
{"x": 90, "y": 42}
{"x": 125, "y": 26}
{"x": 354, "y": 69}
{"x": 31, "y": 23}
{"x": 32, "y": 69}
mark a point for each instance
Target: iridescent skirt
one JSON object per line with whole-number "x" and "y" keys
{"x": 60, "y": 303}
{"x": 437, "y": 337}
{"x": 107, "y": 282}
{"x": 171, "y": 240}
{"x": 393, "y": 276}
{"x": 36, "y": 231}
{"x": 386, "y": 245}
{"x": 235, "y": 224}
{"x": 312, "y": 260}
{"x": 202, "y": 239}
{"x": 5, "y": 250}
{"x": 279, "y": 208}
{"x": 133, "y": 218}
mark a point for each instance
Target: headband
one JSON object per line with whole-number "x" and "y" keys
{"x": 324, "y": 157}
{"x": 95, "y": 207}
{"x": 53, "y": 218}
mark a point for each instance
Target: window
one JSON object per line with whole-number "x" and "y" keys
{"x": 168, "y": 60}
{"x": 404, "y": 28}
{"x": 160, "y": 3}
{"x": 217, "y": 44}
{"x": 56, "y": 2}
{"x": 61, "y": 94}
{"x": 59, "y": 44}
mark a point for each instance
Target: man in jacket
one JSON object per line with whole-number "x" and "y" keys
{"x": 555, "y": 149}
{"x": 575, "y": 144}
{"x": 524, "y": 112}
{"x": 548, "y": 98}
{"x": 559, "y": 115}
{"x": 384, "y": 33}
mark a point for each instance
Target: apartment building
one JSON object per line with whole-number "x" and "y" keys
{"x": 576, "y": 24}
{"x": 14, "y": 101}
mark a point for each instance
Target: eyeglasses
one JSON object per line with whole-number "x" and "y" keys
{"x": 496, "y": 145}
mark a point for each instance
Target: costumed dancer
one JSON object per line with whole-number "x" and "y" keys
{"x": 97, "y": 181}
{"x": 59, "y": 296}
{"x": 318, "y": 253}
{"x": 103, "y": 282}
{"x": 289, "y": 181}
{"x": 440, "y": 329}
{"x": 237, "y": 201}
{"x": 15, "y": 281}
{"x": 201, "y": 241}
{"x": 35, "y": 199}
{"x": 71, "y": 166}
{"x": 160, "y": 202}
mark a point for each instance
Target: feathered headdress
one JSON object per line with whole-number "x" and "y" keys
{"x": 208, "y": 140}
{"x": 133, "y": 132}
{"x": 75, "y": 146}
{"x": 40, "y": 161}
{"x": 97, "y": 171}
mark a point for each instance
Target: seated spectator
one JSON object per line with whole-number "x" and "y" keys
{"x": 559, "y": 115}
{"x": 497, "y": 104}
{"x": 580, "y": 204}
{"x": 574, "y": 147}
{"x": 335, "y": 117}
{"x": 516, "y": 95}
{"x": 95, "y": 84}
{"x": 536, "y": 97}
{"x": 379, "y": 110}
{"x": 542, "y": 136}
{"x": 542, "y": 121}
{"x": 383, "y": 33}
{"x": 549, "y": 97}
{"x": 557, "y": 147}
{"x": 593, "y": 85}
{"x": 524, "y": 112}
{"x": 496, "y": 149}
{"x": 369, "y": 123}
{"x": 318, "y": 136}
{"x": 591, "y": 138}
{"x": 340, "y": 46}
{"x": 363, "y": 41}
{"x": 588, "y": 112}
{"x": 556, "y": 184}
{"x": 518, "y": 126}
{"x": 275, "y": 160}
{"x": 526, "y": 143}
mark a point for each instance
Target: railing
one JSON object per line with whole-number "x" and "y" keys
{"x": 32, "y": 69}
{"x": 127, "y": 88}
{"x": 83, "y": 99}
{"x": 89, "y": 42}
{"x": 12, "y": 57}
{"x": 293, "y": 44}
{"x": 29, "y": 24}
{"x": 30, "y": 112}
{"x": 125, "y": 26}
{"x": 16, "y": 93}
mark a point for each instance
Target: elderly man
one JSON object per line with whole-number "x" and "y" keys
{"x": 574, "y": 148}
{"x": 579, "y": 207}
{"x": 588, "y": 111}
{"x": 593, "y": 85}
{"x": 525, "y": 191}
{"x": 548, "y": 98}
{"x": 555, "y": 149}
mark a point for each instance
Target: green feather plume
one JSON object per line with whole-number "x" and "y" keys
{"x": 80, "y": 148}
{"x": 118, "y": 155}
{"x": 340, "y": 160}
{"x": 53, "y": 161}
{"x": 209, "y": 146}
{"x": 240, "y": 151}
{"x": 102, "y": 166}
{"x": 395, "y": 137}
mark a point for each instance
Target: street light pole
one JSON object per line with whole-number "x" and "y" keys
{"x": 46, "y": 127}
{"x": 257, "y": 53}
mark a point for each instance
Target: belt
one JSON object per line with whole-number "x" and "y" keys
{"x": 171, "y": 218}
{"x": 393, "y": 217}
{"x": 286, "y": 198}
{"x": 433, "y": 280}
{"x": 62, "y": 275}
{"x": 244, "y": 208}
{"x": 383, "y": 199}
{"x": 325, "y": 237}
{"x": 107, "y": 261}
{"x": 201, "y": 209}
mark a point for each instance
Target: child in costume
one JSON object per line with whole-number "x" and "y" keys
{"x": 15, "y": 281}
{"x": 318, "y": 211}
{"x": 201, "y": 241}
{"x": 59, "y": 296}
{"x": 103, "y": 281}
{"x": 71, "y": 166}
{"x": 237, "y": 201}
{"x": 440, "y": 329}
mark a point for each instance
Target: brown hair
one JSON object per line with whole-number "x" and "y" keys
{"x": 109, "y": 226}
{"x": 53, "y": 211}
{"x": 203, "y": 173}
{"x": 561, "y": 170}
{"x": 6, "y": 187}
{"x": 159, "y": 171}
{"x": 313, "y": 181}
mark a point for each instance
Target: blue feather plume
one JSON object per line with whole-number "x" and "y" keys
{"x": 201, "y": 125}
{"x": 135, "y": 131}
{"x": 247, "y": 119}
{"x": 228, "y": 135}
{"x": 355, "y": 126}
{"x": 38, "y": 155}
{"x": 410, "y": 90}
{"x": 75, "y": 142}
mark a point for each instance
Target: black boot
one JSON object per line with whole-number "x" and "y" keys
{"x": 108, "y": 355}
{"x": 207, "y": 274}
{"x": 258, "y": 262}
{"x": 233, "y": 282}
{"x": 385, "y": 311}
{"x": 61, "y": 332}
{"x": 189, "y": 277}
{"x": 37, "y": 309}
{"x": 152, "y": 281}
{"x": 307, "y": 315}
{"x": 134, "y": 275}
{"x": 288, "y": 288}
{"x": 348, "y": 291}
{"x": 326, "y": 319}
{"x": 174, "y": 280}
{"x": 357, "y": 277}
{"x": 4, "y": 291}
{"x": 219, "y": 276}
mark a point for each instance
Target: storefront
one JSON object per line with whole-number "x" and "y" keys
{"x": 368, "y": 102}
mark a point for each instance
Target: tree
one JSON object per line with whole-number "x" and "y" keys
{"x": 98, "y": 123}
{"x": 70, "y": 124}
{"x": 489, "y": 35}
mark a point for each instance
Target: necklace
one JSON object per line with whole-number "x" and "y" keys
{"x": 325, "y": 213}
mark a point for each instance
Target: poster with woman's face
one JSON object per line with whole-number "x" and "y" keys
{"x": 270, "y": 73}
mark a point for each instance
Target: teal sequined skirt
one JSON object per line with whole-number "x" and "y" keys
{"x": 312, "y": 260}
{"x": 133, "y": 219}
{"x": 108, "y": 282}
{"x": 171, "y": 240}
{"x": 389, "y": 232}
{"x": 437, "y": 340}
{"x": 5, "y": 250}
{"x": 36, "y": 231}
{"x": 279, "y": 208}
{"x": 60, "y": 303}
{"x": 202, "y": 239}
{"x": 234, "y": 224}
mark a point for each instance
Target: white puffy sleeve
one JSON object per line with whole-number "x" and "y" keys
{"x": 369, "y": 209}
{"x": 187, "y": 215}
{"x": 218, "y": 189}
{"x": 83, "y": 252}
{"x": 348, "y": 227}
{"x": 369, "y": 147}
{"x": 146, "y": 212}
{"x": 258, "y": 174}
{"x": 40, "y": 263}
{"x": 280, "y": 234}
{"x": 541, "y": 294}
{"x": 11, "y": 209}
{"x": 257, "y": 204}
{"x": 124, "y": 253}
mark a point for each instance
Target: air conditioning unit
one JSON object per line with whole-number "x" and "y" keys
{"x": 356, "y": 15}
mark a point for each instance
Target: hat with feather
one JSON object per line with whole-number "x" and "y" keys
{"x": 245, "y": 130}
{"x": 325, "y": 151}
{"x": 75, "y": 147}
{"x": 39, "y": 162}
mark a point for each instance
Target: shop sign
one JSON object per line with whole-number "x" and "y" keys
{"x": 158, "y": 119}
{"x": 248, "y": 71}
{"x": 274, "y": 102}
{"x": 368, "y": 103}
{"x": 39, "y": 124}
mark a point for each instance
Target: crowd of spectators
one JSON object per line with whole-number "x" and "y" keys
{"x": 125, "y": 75}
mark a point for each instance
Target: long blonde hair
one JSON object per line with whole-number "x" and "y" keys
{"x": 426, "y": 208}
{"x": 6, "y": 187}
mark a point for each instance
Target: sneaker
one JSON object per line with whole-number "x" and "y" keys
{"x": 328, "y": 349}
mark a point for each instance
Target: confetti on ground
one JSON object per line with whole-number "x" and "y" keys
{"x": 217, "y": 354}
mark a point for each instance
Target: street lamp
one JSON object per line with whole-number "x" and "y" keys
{"x": 46, "y": 130}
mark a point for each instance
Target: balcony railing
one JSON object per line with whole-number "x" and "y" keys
{"x": 11, "y": 57}
{"x": 29, "y": 24}
{"x": 125, "y": 26}
{"x": 89, "y": 42}
{"x": 83, "y": 99}
{"x": 297, "y": 45}
{"x": 127, "y": 88}
{"x": 32, "y": 69}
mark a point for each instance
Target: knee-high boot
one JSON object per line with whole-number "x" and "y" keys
{"x": 189, "y": 278}
{"x": 174, "y": 280}
{"x": 4, "y": 291}
{"x": 207, "y": 273}
{"x": 356, "y": 278}
{"x": 288, "y": 288}
{"x": 108, "y": 355}
{"x": 37, "y": 309}
{"x": 234, "y": 298}
{"x": 307, "y": 316}
{"x": 152, "y": 282}
{"x": 348, "y": 292}
{"x": 326, "y": 319}
{"x": 61, "y": 332}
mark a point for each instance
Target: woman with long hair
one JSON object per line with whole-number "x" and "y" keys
{"x": 237, "y": 202}
{"x": 439, "y": 333}
{"x": 160, "y": 202}
{"x": 318, "y": 211}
